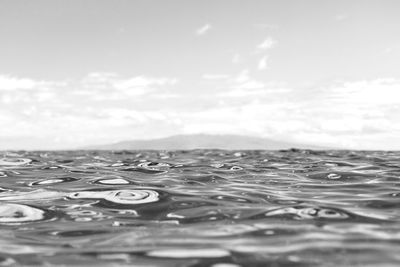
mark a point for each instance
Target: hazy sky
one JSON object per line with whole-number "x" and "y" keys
{"x": 76, "y": 72}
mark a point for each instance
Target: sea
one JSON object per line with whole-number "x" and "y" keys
{"x": 214, "y": 208}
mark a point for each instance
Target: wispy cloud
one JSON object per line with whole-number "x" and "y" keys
{"x": 203, "y": 29}
{"x": 262, "y": 63}
{"x": 114, "y": 86}
{"x": 141, "y": 82}
{"x": 244, "y": 86}
{"x": 9, "y": 83}
{"x": 243, "y": 76}
{"x": 268, "y": 43}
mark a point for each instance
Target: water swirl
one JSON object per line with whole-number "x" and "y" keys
{"x": 14, "y": 161}
{"x": 119, "y": 196}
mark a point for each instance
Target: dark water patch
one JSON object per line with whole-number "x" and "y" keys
{"x": 143, "y": 170}
{"x": 78, "y": 233}
{"x": 382, "y": 204}
{"x": 81, "y": 171}
{"x": 232, "y": 199}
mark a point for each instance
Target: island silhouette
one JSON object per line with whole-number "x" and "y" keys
{"x": 204, "y": 141}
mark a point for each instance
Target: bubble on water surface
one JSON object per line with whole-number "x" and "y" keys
{"x": 236, "y": 168}
{"x": 14, "y": 161}
{"x": 111, "y": 181}
{"x": 54, "y": 181}
{"x": 119, "y": 196}
{"x": 189, "y": 253}
{"x": 333, "y": 176}
{"x": 17, "y": 213}
{"x": 153, "y": 167}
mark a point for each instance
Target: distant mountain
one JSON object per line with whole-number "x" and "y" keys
{"x": 203, "y": 141}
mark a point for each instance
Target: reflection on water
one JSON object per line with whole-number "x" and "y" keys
{"x": 200, "y": 208}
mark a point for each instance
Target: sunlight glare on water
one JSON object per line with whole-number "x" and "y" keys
{"x": 200, "y": 208}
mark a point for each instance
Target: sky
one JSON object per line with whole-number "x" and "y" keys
{"x": 75, "y": 73}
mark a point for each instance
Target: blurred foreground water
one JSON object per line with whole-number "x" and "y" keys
{"x": 200, "y": 208}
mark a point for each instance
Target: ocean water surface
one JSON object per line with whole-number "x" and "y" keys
{"x": 200, "y": 208}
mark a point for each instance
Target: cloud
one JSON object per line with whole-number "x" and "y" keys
{"x": 243, "y": 76}
{"x": 8, "y": 83}
{"x": 367, "y": 92}
{"x": 141, "y": 85}
{"x": 262, "y": 63}
{"x": 12, "y": 83}
{"x": 244, "y": 85}
{"x": 268, "y": 43}
{"x": 108, "y": 107}
{"x": 114, "y": 86}
{"x": 99, "y": 108}
{"x": 203, "y": 29}
{"x": 354, "y": 114}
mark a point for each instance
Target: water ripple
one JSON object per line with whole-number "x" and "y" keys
{"x": 200, "y": 208}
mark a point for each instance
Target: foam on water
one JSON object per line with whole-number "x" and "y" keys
{"x": 200, "y": 208}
